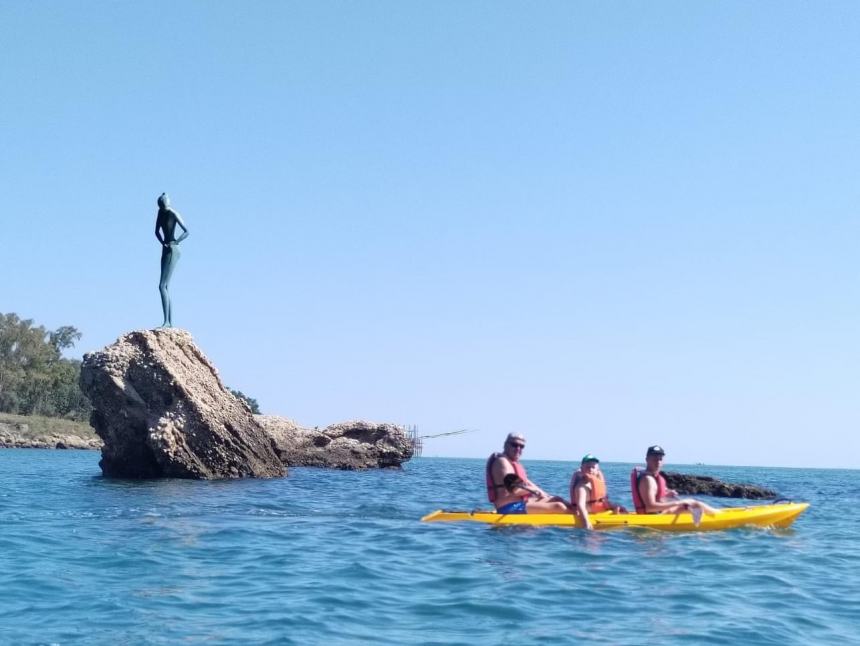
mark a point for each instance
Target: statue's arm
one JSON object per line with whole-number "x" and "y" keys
{"x": 158, "y": 231}
{"x": 184, "y": 228}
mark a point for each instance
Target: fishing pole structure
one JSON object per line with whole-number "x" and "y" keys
{"x": 418, "y": 440}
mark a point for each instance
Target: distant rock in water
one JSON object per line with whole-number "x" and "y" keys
{"x": 162, "y": 411}
{"x": 348, "y": 445}
{"x": 687, "y": 485}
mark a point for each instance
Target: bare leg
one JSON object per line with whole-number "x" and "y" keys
{"x": 553, "y": 505}
{"x": 169, "y": 257}
{"x": 710, "y": 511}
{"x": 687, "y": 504}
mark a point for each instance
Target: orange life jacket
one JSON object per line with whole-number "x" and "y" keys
{"x": 492, "y": 486}
{"x": 597, "y": 500}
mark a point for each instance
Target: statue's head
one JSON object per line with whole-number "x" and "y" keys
{"x": 163, "y": 200}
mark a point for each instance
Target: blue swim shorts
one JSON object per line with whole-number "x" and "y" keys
{"x": 518, "y": 507}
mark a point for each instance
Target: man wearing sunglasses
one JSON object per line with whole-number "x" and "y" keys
{"x": 509, "y": 488}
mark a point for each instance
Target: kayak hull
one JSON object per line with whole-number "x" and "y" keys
{"x": 776, "y": 515}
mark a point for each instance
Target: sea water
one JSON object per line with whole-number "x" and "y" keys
{"x": 341, "y": 557}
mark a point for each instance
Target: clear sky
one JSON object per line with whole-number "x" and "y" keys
{"x": 606, "y": 225}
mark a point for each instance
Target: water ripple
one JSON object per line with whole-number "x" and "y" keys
{"x": 340, "y": 557}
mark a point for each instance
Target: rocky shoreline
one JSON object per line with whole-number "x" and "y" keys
{"x": 347, "y": 446}
{"x": 18, "y": 434}
{"x": 351, "y": 445}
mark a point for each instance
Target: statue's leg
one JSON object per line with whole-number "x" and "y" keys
{"x": 162, "y": 283}
{"x": 169, "y": 257}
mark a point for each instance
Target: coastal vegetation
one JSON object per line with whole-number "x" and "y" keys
{"x": 41, "y": 401}
{"x": 36, "y": 426}
{"x": 35, "y": 378}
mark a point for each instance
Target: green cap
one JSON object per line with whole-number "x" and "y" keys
{"x": 588, "y": 457}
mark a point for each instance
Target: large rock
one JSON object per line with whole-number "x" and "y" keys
{"x": 162, "y": 411}
{"x": 348, "y": 445}
{"x": 687, "y": 485}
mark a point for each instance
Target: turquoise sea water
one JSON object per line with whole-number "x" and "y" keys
{"x": 341, "y": 557}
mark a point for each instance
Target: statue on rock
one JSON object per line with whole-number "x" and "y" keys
{"x": 165, "y": 227}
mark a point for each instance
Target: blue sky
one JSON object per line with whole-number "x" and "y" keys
{"x": 606, "y": 225}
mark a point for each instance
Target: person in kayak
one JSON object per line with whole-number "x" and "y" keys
{"x": 509, "y": 488}
{"x": 652, "y": 496}
{"x": 588, "y": 491}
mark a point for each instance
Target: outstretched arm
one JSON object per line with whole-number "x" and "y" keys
{"x": 648, "y": 492}
{"x": 536, "y": 490}
{"x": 580, "y": 499}
{"x": 518, "y": 487}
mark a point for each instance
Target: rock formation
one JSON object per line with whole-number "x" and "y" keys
{"x": 162, "y": 411}
{"x": 348, "y": 445}
{"x": 687, "y": 485}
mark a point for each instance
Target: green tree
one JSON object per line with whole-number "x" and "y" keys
{"x": 34, "y": 376}
{"x": 252, "y": 403}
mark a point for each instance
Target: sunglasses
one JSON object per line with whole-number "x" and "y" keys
{"x": 517, "y": 445}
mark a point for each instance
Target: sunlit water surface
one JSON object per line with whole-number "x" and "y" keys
{"x": 341, "y": 557}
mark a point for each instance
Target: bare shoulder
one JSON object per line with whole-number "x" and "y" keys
{"x": 503, "y": 465}
{"x": 648, "y": 481}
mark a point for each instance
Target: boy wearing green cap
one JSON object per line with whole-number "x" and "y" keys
{"x": 588, "y": 490}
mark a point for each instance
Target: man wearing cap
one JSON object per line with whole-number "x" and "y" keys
{"x": 588, "y": 490}
{"x": 652, "y": 496}
{"x": 509, "y": 488}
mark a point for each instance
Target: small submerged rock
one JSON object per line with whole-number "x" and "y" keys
{"x": 687, "y": 485}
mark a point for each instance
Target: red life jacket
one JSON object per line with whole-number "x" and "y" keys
{"x": 492, "y": 486}
{"x": 635, "y": 476}
{"x": 596, "y": 501}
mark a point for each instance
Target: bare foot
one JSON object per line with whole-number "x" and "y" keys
{"x": 696, "y": 513}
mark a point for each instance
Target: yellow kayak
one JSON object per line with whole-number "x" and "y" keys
{"x": 776, "y": 515}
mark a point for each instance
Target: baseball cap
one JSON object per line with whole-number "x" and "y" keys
{"x": 588, "y": 457}
{"x": 655, "y": 450}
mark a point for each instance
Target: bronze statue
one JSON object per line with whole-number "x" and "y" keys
{"x": 165, "y": 225}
